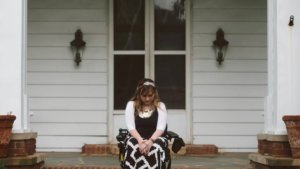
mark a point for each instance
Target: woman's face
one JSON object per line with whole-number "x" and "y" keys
{"x": 147, "y": 98}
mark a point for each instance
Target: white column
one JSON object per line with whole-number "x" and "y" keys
{"x": 283, "y": 64}
{"x": 12, "y": 61}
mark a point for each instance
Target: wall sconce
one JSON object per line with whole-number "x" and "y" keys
{"x": 220, "y": 45}
{"x": 291, "y": 22}
{"x": 78, "y": 45}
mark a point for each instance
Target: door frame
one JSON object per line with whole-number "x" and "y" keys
{"x": 113, "y": 114}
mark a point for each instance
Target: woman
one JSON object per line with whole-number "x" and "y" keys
{"x": 146, "y": 120}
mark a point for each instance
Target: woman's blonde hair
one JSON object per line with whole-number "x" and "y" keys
{"x": 144, "y": 86}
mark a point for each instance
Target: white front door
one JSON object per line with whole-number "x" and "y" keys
{"x": 150, "y": 39}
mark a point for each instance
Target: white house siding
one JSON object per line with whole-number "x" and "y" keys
{"x": 68, "y": 103}
{"x": 228, "y": 100}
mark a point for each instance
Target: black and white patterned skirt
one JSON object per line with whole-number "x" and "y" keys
{"x": 157, "y": 158}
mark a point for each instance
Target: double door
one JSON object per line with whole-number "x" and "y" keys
{"x": 150, "y": 40}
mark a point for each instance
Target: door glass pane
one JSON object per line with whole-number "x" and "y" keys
{"x": 128, "y": 70}
{"x": 129, "y": 21}
{"x": 169, "y": 25}
{"x": 170, "y": 80}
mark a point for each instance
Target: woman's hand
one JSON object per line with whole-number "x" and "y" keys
{"x": 142, "y": 146}
{"x": 145, "y": 146}
{"x": 149, "y": 144}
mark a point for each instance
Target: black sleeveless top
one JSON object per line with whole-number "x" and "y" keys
{"x": 146, "y": 126}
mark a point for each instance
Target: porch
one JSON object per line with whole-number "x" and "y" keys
{"x": 80, "y": 161}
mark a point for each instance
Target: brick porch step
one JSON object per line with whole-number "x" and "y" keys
{"x": 104, "y": 149}
{"x": 80, "y": 161}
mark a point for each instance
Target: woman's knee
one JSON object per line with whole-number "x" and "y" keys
{"x": 132, "y": 141}
{"x": 161, "y": 141}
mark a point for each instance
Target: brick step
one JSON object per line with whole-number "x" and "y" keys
{"x": 80, "y": 161}
{"x": 192, "y": 149}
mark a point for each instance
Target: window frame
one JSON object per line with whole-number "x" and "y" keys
{"x": 149, "y": 53}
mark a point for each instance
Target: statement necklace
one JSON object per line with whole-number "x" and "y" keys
{"x": 146, "y": 113}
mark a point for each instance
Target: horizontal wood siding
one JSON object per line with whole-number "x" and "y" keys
{"x": 228, "y": 100}
{"x": 68, "y": 103}
{"x": 66, "y": 143}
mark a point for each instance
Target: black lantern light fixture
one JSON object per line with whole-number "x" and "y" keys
{"x": 220, "y": 46}
{"x": 78, "y": 45}
{"x": 291, "y": 22}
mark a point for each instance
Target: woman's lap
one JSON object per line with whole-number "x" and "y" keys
{"x": 156, "y": 157}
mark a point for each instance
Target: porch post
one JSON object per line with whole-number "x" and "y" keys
{"x": 283, "y": 86}
{"x": 12, "y": 61}
{"x": 283, "y": 64}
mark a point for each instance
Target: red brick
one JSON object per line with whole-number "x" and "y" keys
{"x": 18, "y": 148}
{"x": 280, "y": 149}
{"x": 96, "y": 149}
{"x": 30, "y": 146}
{"x": 274, "y": 148}
{"x": 263, "y": 146}
{"x": 3, "y": 150}
{"x": 205, "y": 149}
